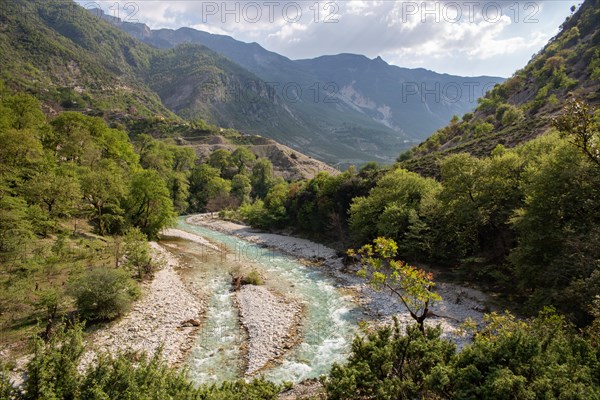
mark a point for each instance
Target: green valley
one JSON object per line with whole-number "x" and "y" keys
{"x": 173, "y": 225}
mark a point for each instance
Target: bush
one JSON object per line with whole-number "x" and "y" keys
{"x": 53, "y": 375}
{"x": 511, "y": 115}
{"x": 253, "y": 278}
{"x": 483, "y": 129}
{"x": 104, "y": 294}
{"x": 389, "y": 364}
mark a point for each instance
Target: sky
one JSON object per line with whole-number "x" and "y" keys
{"x": 467, "y": 38}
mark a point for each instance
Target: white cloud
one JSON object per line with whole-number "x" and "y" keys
{"x": 490, "y": 38}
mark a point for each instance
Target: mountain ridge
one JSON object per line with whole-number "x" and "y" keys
{"x": 391, "y": 119}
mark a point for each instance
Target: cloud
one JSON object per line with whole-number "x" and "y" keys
{"x": 462, "y": 37}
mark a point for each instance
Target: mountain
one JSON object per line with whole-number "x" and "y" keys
{"x": 347, "y": 102}
{"x": 72, "y": 60}
{"x": 344, "y": 109}
{"x": 522, "y": 107}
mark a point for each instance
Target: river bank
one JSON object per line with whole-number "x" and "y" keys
{"x": 168, "y": 315}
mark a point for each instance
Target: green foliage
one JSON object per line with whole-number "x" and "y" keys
{"x": 389, "y": 364}
{"x": 105, "y": 190}
{"x": 393, "y": 208}
{"x": 243, "y": 159}
{"x": 16, "y": 230}
{"x": 512, "y": 359}
{"x": 254, "y": 214}
{"x": 25, "y": 112}
{"x": 253, "y": 278}
{"x": 579, "y": 123}
{"x": 202, "y": 182}
{"x": 508, "y": 359}
{"x": 104, "y": 293}
{"x": 241, "y": 187}
{"x": 137, "y": 252}
{"x": 57, "y": 191}
{"x": 220, "y": 159}
{"x": 53, "y": 374}
{"x": 149, "y": 205}
{"x": 413, "y": 286}
{"x": 262, "y": 178}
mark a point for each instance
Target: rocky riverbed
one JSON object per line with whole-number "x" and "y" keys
{"x": 458, "y": 303}
{"x": 167, "y": 315}
{"x": 271, "y": 322}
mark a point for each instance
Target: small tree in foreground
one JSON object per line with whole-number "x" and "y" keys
{"x": 413, "y": 286}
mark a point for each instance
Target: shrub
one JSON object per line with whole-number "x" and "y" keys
{"x": 253, "y": 278}
{"x": 389, "y": 364}
{"x": 53, "y": 375}
{"x": 104, "y": 294}
{"x": 483, "y": 129}
{"x": 511, "y": 115}
{"x": 52, "y": 372}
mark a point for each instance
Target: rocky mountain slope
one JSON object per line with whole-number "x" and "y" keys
{"x": 347, "y": 102}
{"x": 522, "y": 107}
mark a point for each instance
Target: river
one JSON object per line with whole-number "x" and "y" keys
{"x": 330, "y": 316}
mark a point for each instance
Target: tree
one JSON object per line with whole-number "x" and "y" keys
{"x": 392, "y": 206}
{"x": 15, "y": 228}
{"x": 412, "y": 286}
{"x": 52, "y": 372}
{"x": 57, "y": 190}
{"x": 149, "y": 206}
{"x": 241, "y": 187}
{"x": 579, "y": 123}
{"x": 218, "y": 194}
{"x": 74, "y": 138}
{"x": 25, "y": 111}
{"x": 104, "y": 293}
{"x": 104, "y": 190}
{"x": 557, "y": 227}
{"x": 388, "y": 364}
{"x": 275, "y": 205}
{"x": 200, "y": 180}
{"x": 50, "y": 301}
{"x": 514, "y": 359}
{"x": 242, "y": 158}
{"x": 137, "y": 252}
{"x": 262, "y": 178}
{"x": 221, "y": 160}
{"x": 18, "y": 149}
{"x": 178, "y": 185}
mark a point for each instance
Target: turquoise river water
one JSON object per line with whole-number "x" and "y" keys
{"x": 328, "y": 327}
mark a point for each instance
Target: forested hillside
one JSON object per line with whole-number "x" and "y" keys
{"x": 77, "y": 196}
{"x": 522, "y": 107}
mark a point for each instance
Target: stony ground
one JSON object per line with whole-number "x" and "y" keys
{"x": 167, "y": 315}
{"x": 271, "y": 323}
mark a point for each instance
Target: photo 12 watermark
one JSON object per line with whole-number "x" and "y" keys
{"x": 468, "y": 11}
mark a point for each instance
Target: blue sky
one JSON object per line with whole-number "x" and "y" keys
{"x": 458, "y": 37}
